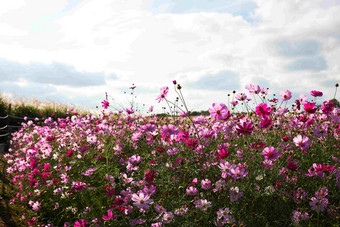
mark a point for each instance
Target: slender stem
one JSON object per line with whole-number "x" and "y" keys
{"x": 336, "y": 88}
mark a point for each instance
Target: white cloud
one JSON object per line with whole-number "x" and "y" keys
{"x": 123, "y": 37}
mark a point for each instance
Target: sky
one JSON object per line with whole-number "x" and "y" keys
{"x": 73, "y": 51}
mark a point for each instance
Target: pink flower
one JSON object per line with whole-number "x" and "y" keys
{"x": 191, "y": 190}
{"x": 203, "y": 204}
{"x": 141, "y": 200}
{"x": 303, "y": 98}
{"x": 106, "y": 104}
{"x": 302, "y": 141}
{"x": 309, "y": 107}
{"x": 286, "y": 95}
{"x": 327, "y": 107}
{"x": 245, "y": 127}
{"x": 206, "y": 184}
{"x": 241, "y": 97}
{"x": 263, "y": 110}
{"x": 316, "y": 93}
{"x": 298, "y": 216}
{"x": 219, "y": 111}
{"x": 109, "y": 216}
{"x": 163, "y": 94}
{"x": 253, "y": 89}
{"x": 80, "y": 223}
{"x": 169, "y": 130}
{"x": 270, "y": 153}
{"x": 318, "y": 204}
{"x": 150, "y": 109}
{"x": 292, "y": 165}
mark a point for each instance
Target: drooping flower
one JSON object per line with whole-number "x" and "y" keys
{"x": 219, "y": 111}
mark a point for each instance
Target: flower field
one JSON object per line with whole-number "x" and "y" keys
{"x": 270, "y": 166}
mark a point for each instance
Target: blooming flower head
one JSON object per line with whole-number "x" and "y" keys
{"x": 245, "y": 127}
{"x": 302, "y": 98}
{"x": 206, "y": 184}
{"x": 318, "y": 204}
{"x": 169, "y": 130}
{"x": 163, "y": 94}
{"x": 309, "y": 107}
{"x": 241, "y": 97}
{"x": 106, "y": 104}
{"x": 298, "y": 216}
{"x": 203, "y": 204}
{"x": 316, "y": 93}
{"x": 263, "y": 110}
{"x": 327, "y": 107}
{"x": 270, "y": 153}
{"x": 302, "y": 141}
{"x": 109, "y": 216}
{"x": 253, "y": 89}
{"x": 141, "y": 200}
{"x": 286, "y": 95}
{"x": 191, "y": 190}
{"x": 219, "y": 111}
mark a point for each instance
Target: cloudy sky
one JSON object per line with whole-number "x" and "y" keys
{"x": 73, "y": 51}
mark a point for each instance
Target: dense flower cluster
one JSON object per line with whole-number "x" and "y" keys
{"x": 126, "y": 169}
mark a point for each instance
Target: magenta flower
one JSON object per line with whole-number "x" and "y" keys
{"x": 292, "y": 165}
{"x": 263, "y": 110}
{"x": 327, "y": 107}
{"x": 191, "y": 190}
{"x": 270, "y": 153}
{"x": 219, "y": 111}
{"x": 109, "y": 216}
{"x": 302, "y": 141}
{"x": 141, "y": 200}
{"x": 106, "y": 104}
{"x": 80, "y": 223}
{"x": 245, "y": 127}
{"x": 316, "y": 93}
{"x": 309, "y": 107}
{"x": 286, "y": 95}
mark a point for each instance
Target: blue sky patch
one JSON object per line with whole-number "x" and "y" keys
{"x": 236, "y": 8}
{"x": 221, "y": 81}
